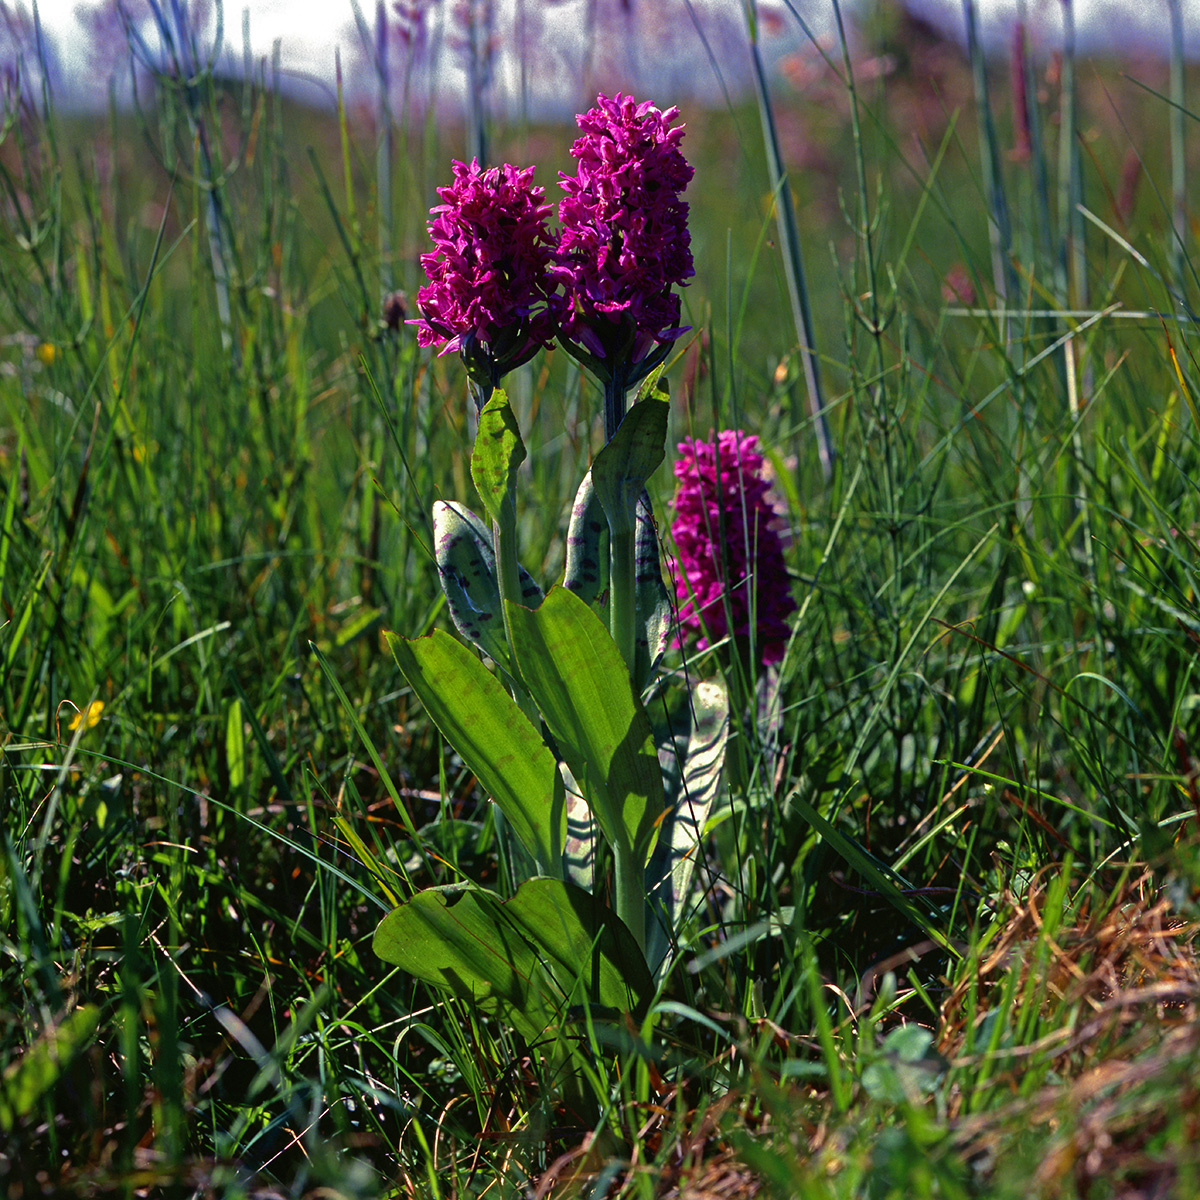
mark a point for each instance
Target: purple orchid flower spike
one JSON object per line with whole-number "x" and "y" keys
{"x": 625, "y": 243}
{"x": 490, "y": 293}
{"x": 730, "y": 553}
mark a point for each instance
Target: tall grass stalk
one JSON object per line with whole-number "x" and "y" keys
{"x": 1000, "y": 226}
{"x": 478, "y": 18}
{"x": 385, "y": 153}
{"x": 180, "y": 42}
{"x": 1177, "y": 117}
{"x": 1070, "y": 173}
{"x": 789, "y": 240}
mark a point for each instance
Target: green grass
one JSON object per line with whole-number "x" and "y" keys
{"x": 944, "y": 944}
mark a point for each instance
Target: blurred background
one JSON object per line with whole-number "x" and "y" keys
{"x": 679, "y": 45}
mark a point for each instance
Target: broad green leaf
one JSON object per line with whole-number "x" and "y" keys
{"x": 466, "y": 563}
{"x": 498, "y": 452}
{"x": 692, "y": 784}
{"x": 495, "y": 739}
{"x": 580, "y": 685}
{"x": 37, "y": 1070}
{"x": 530, "y": 960}
{"x": 622, "y": 468}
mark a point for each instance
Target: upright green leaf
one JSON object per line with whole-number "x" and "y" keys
{"x": 499, "y": 451}
{"x": 622, "y": 468}
{"x": 495, "y": 739}
{"x": 235, "y": 745}
{"x": 587, "y": 572}
{"x": 619, "y": 477}
{"x": 587, "y": 545}
{"x": 582, "y": 689}
{"x": 531, "y": 960}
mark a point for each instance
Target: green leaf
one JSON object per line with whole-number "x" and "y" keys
{"x": 495, "y": 739}
{"x": 359, "y": 624}
{"x": 654, "y": 386}
{"x": 466, "y": 564}
{"x": 906, "y": 1067}
{"x": 619, "y": 477}
{"x": 235, "y": 745}
{"x": 654, "y": 611}
{"x": 692, "y": 787}
{"x": 587, "y": 572}
{"x": 580, "y": 685}
{"x": 31, "y": 1076}
{"x": 367, "y": 857}
{"x": 622, "y": 468}
{"x": 499, "y": 451}
{"x": 530, "y": 960}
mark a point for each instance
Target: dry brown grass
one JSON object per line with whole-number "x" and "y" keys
{"x": 1121, "y": 987}
{"x": 1096, "y": 1101}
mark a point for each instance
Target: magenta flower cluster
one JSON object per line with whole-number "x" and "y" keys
{"x": 625, "y": 241}
{"x": 729, "y": 551}
{"x": 489, "y": 270}
{"x": 500, "y": 284}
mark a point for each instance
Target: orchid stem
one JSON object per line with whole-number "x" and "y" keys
{"x": 504, "y": 533}
{"x": 630, "y": 892}
{"x": 615, "y": 387}
{"x": 504, "y": 540}
{"x": 622, "y": 597}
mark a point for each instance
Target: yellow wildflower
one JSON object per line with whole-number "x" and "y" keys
{"x": 89, "y": 717}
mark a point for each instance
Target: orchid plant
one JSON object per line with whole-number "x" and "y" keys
{"x": 607, "y": 812}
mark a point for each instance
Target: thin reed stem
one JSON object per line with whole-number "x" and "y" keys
{"x": 1070, "y": 173}
{"x": 1177, "y": 116}
{"x": 793, "y": 259}
{"x": 1000, "y": 225}
{"x": 385, "y": 151}
{"x": 478, "y": 79}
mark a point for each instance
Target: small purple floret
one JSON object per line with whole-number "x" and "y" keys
{"x": 734, "y": 492}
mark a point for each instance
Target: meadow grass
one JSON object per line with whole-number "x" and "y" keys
{"x": 943, "y": 942}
